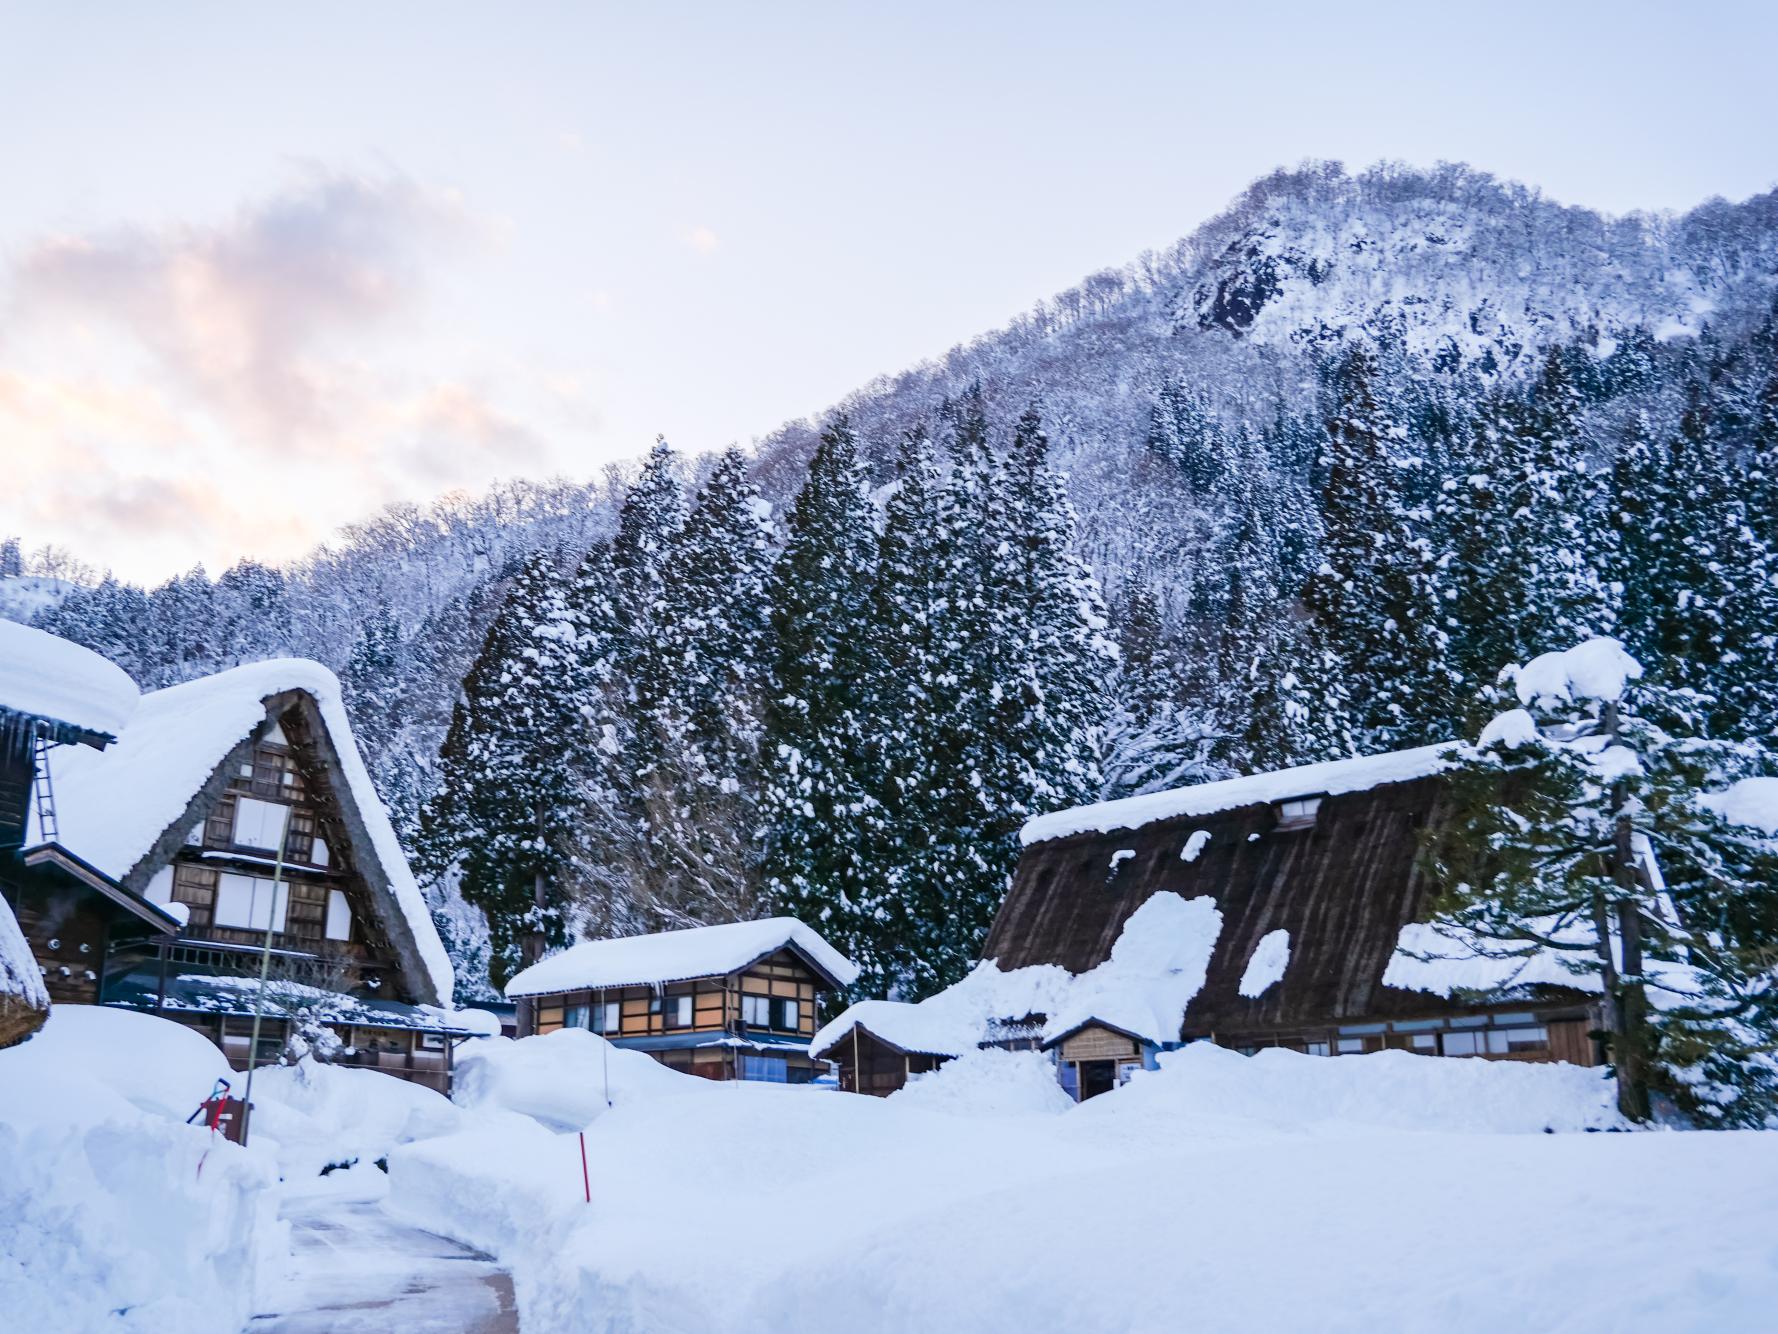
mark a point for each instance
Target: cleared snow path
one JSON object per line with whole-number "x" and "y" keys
{"x": 353, "y": 1267}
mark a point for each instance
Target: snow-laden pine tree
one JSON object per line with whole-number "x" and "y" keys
{"x": 1057, "y": 655}
{"x": 1183, "y": 430}
{"x": 701, "y": 790}
{"x": 1581, "y": 826}
{"x": 907, "y": 712}
{"x": 1698, "y": 592}
{"x": 813, "y": 794}
{"x": 1153, "y": 739}
{"x": 1373, "y": 598}
{"x": 510, "y": 796}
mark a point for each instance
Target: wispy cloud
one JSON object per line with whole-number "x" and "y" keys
{"x": 242, "y": 315}
{"x": 245, "y": 386}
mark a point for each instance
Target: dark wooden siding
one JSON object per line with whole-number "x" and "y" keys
{"x": 1343, "y": 888}
{"x": 16, "y": 772}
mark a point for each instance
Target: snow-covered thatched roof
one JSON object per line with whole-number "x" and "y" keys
{"x": 125, "y": 810}
{"x": 674, "y": 956}
{"x": 42, "y": 676}
{"x": 1329, "y": 778}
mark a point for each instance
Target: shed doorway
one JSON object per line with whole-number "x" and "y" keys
{"x": 1097, "y": 1077}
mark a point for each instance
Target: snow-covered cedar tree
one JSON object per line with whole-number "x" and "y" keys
{"x": 1581, "y": 823}
{"x": 1374, "y": 597}
{"x": 509, "y": 794}
{"x": 1698, "y": 583}
{"x": 1153, "y": 740}
{"x": 812, "y": 796}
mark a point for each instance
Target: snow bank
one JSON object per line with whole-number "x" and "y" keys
{"x": 1215, "y": 1090}
{"x": 321, "y": 1115}
{"x": 113, "y": 806}
{"x": 989, "y": 1082}
{"x": 1157, "y": 965}
{"x": 1597, "y": 669}
{"x": 952, "y": 1206}
{"x": 46, "y": 677}
{"x": 564, "y": 1079}
{"x": 671, "y": 956}
{"x": 114, "y": 1215}
{"x": 156, "y": 1066}
{"x": 1330, "y": 778}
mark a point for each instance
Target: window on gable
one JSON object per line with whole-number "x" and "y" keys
{"x": 1298, "y": 813}
{"x": 756, "y": 1011}
{"x": 259, "y": 824}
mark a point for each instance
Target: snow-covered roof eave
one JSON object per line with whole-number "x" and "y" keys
{"x": 679, "y": 956}
{"x": 49, "y": 679}
{"x": 1329, "y": 778}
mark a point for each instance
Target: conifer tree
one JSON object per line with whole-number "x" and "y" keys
{"x": 509, "y": 793}
{"x": 1373, "y": 598}
{"x": 1698, "y": 584}
{"x": 907, "y": 713}
{"x": 1183, "y": 430}
{"x": 814, "y": 795}
{"x": 1555, "y": 814}
{"x": 1154, "y": 739}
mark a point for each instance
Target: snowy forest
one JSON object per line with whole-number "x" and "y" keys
{"x": 1297, "y": 487}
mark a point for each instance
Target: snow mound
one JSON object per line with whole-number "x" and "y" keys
{"x": 42, "y": 676}
{"x": 320, "y": 1115}
{"x": 1597, "y": 669}
{"x": 1210, "y": 1089}
{"x": 114, "y": 1214}
{"x": 990, "y": 1082}
{"x": 1157, "y": 965}
{"x": 154, "y": 1065}
{"x": 561, "y": 1079}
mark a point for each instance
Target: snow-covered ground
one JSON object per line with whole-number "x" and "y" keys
{"x": 1376, "y": 1193}
{"x": 1387, "y": 1192}
{"x": 115, "y": 1215}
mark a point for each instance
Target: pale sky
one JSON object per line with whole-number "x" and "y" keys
{"x": 264, "y": 269}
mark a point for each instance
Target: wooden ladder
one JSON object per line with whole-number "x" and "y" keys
{"x": 47, "y": 832}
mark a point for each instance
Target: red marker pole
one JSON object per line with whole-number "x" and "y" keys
{"x": 585, "y": 1180}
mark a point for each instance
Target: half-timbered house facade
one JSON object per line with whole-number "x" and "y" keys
{"x": 733, "y": 1001}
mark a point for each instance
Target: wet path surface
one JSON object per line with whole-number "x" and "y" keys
{"x": 353, "y": 1267}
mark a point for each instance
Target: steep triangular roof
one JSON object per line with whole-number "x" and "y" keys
{"x": 126, "y": 811}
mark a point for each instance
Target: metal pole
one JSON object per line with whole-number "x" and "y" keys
{"x": 265, "y": 968}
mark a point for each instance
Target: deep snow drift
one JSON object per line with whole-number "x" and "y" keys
{"x": 114, "y": 1214}
{"x": 1374, "y": 1193}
